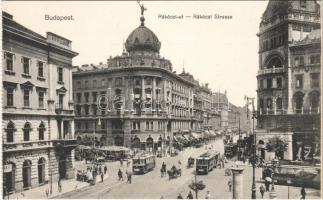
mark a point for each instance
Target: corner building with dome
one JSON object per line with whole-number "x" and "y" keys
{"x": 147, "y": 105}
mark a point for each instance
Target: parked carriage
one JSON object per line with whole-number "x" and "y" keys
{"x": 207, "y": 161}
{"x": 174, "y": 173}
{"x": 143, "y": 163}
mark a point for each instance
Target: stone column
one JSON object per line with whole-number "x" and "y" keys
{"x": 237, "y": 183}
{"x": 288, "y": 154}
{"x": 143, "y": 96}
{"x": 289, "y": 85}
{"x": 153, "y": 106}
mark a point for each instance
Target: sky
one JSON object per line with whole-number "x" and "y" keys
{"x": 223, "y": 53}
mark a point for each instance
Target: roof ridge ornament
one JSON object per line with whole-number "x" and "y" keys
{"x": 142, "y": 18}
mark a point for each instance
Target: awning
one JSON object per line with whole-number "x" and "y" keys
{"x": 212, "y": 133}
{"x": 195, "y": 135}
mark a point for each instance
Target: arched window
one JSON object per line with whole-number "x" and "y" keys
{"x": 41, "y": 131}
{"x": 26, "y": 174}
{"x": 279, "y": 104}
{"x": 314, "y": 101}
{"x": 10, "y": 131}
{"x": 298, "y": 101}
{"x": 274, "y": 62}
{"x": 261, "y": 105}
{"x": 269, "y": 104}
{"x": 26, "y": 130}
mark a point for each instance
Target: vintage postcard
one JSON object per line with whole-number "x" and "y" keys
{"x": 161, "y": 99}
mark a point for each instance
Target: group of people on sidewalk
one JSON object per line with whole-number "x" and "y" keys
{"x": 128, "y": 174}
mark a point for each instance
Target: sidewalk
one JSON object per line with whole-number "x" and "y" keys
{"x": 70, "y": 184}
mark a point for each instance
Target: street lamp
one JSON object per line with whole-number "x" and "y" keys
{"x": 253, "y": 160}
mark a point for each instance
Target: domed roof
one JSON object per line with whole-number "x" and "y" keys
{"x": 142, "y": 38}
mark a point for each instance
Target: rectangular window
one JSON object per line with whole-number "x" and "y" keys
{"x": 41, "y": 99}
{"x": 151, "y": 126}
{"x": 315, "y": 80}
{"x": 303, "y": 3}
{"x": 264, "y": 83}
{"x": 26, "y": 98}
{"x": 61, "y": 100}
{"x": 147, "y": 125}
{"x": 9, "y": 96}
{"x": 78, "y": 84}
{"x": 9, "y": 61}
{"x": 94, "y": 83}
{"x": 299, "y": 81}
{"x": 118, "y": 81}
{"x": 86, "y": 95}
{"x": 40, "y": 69}
{"x": 25, "y": 62}
{"x": 269, "y": 83}
{"x": 102, "y": 82}
{"x": 94, "y": 95}
{"x": 279, "y": 83}
{"x": 79, "y": 97}
{"x": 60, "y": 74}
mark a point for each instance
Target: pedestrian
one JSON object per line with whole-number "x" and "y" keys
{"x": 121, "y": 162}
{"x": 59, "y": 183}
{"x": 47, "y": 192}
{"x": 262, "y": 190}
{"x": 303, "y": 193}
{"x": 102, "y": 176}
{"x": 272, "y": 187}
{"x": 267, "y": 185}
{"x": 129, "y": 177}
{"x": 179, "y": 196}
{"x": 120, "y": 175}
{"x": 230, "y": 184}
{"x": 208, "y": 195}
{"x": 105, "y": 169}
{"x": 190, "y": 195}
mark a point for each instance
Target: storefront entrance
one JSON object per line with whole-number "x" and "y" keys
{"x": 41, "y": 171}
{"x": 9, "y": 178}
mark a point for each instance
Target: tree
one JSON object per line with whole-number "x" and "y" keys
{"x": 277, "y": 145}
{"x": 196, "y": 186}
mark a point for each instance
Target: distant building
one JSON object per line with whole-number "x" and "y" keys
{"x": 38, "y": 118}
{"x": 289, "y": 76}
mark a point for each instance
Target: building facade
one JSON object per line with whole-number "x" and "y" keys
{"x": 38, "y": 126}
{"x": 137, "y": 100}
{"x": 289, "y": 75}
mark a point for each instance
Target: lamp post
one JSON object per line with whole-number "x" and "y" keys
{"x": 253, "y": 160}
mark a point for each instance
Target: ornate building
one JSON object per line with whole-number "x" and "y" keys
{"x": 289, "y": 75}
{"x": 146, "y": 105}
{"x": 38, "y": 126}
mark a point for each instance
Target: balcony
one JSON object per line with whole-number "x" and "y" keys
{"x": 23, "y": 146}
{"x": 65, "y": 142}
{"x": 60, "y": 109}
{"x": 271, "y": 71}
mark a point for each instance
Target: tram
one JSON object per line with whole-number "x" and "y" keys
{"x": 143, "y": 163}
{"x": 206, "y": 162}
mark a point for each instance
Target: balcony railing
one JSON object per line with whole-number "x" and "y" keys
{"x": 61, "y": 109}
{"x": 271, "y": 71}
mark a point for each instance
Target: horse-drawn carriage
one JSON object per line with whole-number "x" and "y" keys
{"x": 174, "y": 172}
{"x": 190, "y": 162}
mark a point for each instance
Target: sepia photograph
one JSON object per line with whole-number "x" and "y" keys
{"x": 161, "y": 99}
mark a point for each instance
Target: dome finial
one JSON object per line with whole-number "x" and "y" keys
{"x": 142, "y": 18}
